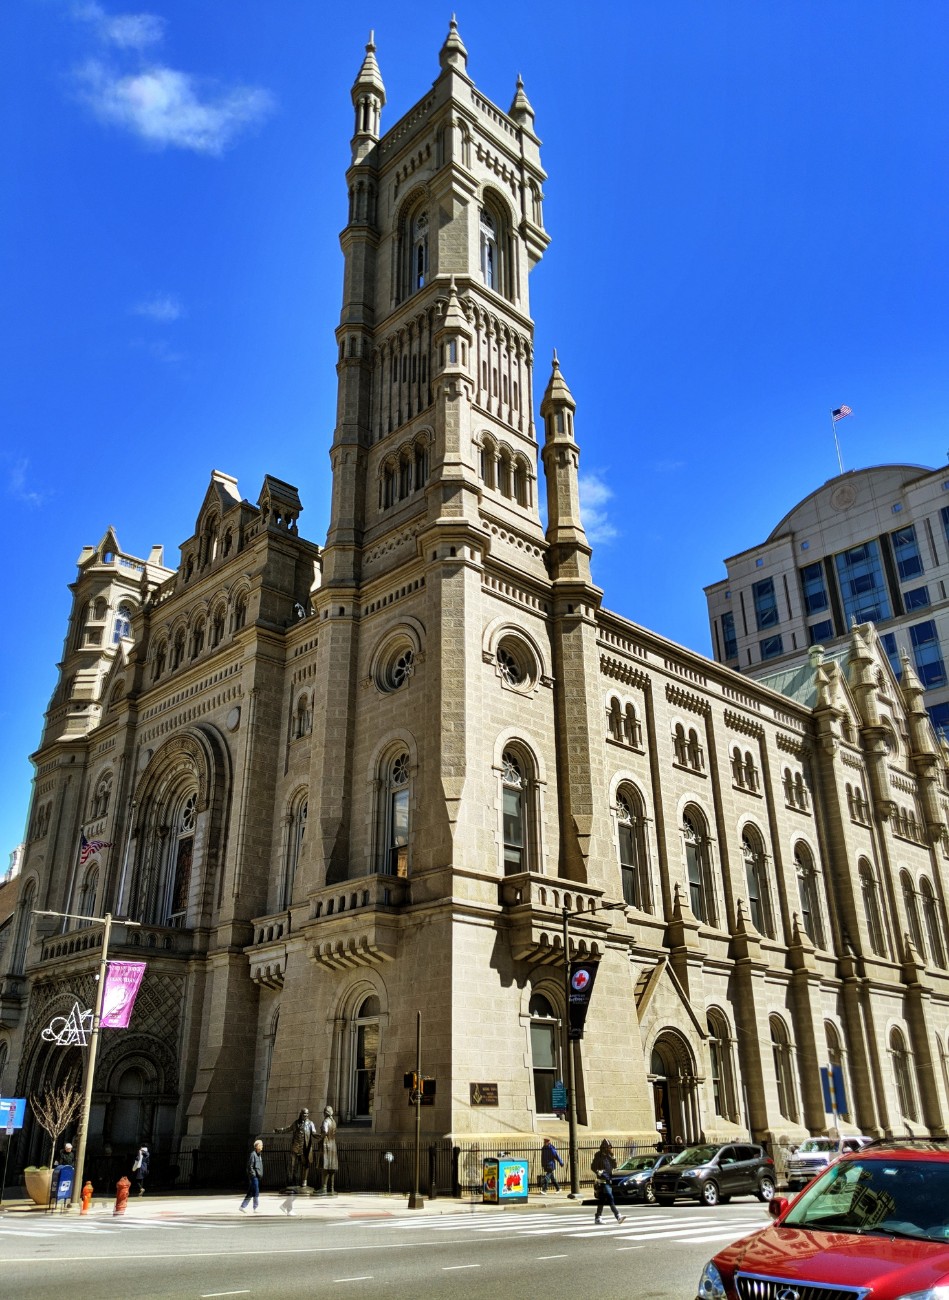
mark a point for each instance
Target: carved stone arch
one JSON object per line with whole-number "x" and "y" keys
{"x": 502, "y": 627}
{"x": 128, "y": 1050}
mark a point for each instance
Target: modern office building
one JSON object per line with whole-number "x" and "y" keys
{"x": 871, "y": 545}
{"x": 340, "y": 785}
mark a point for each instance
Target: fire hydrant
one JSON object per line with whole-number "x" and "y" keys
{"x": 86, "y": 1197}
{"x": 121, "y": 1195}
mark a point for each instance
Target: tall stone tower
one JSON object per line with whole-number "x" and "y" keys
{"x": 452, "y": 780}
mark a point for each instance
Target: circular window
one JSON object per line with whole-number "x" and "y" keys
{"x": 515, "y": 663}
{"x": 395, "y": 665}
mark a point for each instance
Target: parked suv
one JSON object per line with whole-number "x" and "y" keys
{"x": 813, "y": 1156}
{"x": 873, "y": 1226}
{"x": 716, "y": 1173}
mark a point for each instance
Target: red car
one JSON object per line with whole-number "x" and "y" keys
{"x": 874, "y": 1226}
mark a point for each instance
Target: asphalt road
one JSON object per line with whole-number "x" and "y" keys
{"x": 555, "y": 1252}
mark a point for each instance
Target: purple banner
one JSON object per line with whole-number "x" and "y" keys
{"x": 121, "y": 987}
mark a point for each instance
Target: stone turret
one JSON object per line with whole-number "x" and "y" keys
{"x": 369, "y": 97}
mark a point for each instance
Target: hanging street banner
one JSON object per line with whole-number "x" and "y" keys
{"x": 582, "y": 975}
{"x": 121, "y": 989}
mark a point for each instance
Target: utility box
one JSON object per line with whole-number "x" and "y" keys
{"x": 504, "y": 1181}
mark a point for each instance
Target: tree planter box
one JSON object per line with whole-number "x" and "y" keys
{"x": 38, "y": 1183}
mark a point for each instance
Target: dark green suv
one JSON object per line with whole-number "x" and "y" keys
{"x": 711, "y": 1174}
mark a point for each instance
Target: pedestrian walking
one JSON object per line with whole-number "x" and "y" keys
{"x": 255, "y": 1171}
{"x": 603, "y": 1165}
{"x": 140, "y": 1170}
{"x": 549, "y": 1160}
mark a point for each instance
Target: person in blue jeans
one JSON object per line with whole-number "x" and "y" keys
{"x": 255, "y": 1171}
{"x": 549, "y": 1160}
{"x": 603, "y": 1164}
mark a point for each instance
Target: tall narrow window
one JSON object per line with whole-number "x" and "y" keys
{"x": 871, "y": 907}
{"x": 419, "y": 250}
{"x": 912, "y": 913}
{"x": 395, "y": 831}
{"x": 88, "y": 894}
{"x": 782, "y": 1056}
{"x": 632, "y": 849}
{"x": 758, "y": 902}
{"x": 489, "y": 250}
{"x": 927, "y": 653}
{"x": 123, "y": 624}
{"x": 814, "y": 589}
{"x": 697, "y": 869}
{"x": 515, "y": 820}
{"x": 909, "y": 562}
{"x": 862, "y": 585}
{"x": 365, "y": 1056}
{"x": 180, "y": 862}
{"x": 296, "y": 834}
{"x": 933, "y": 924}
{"x": 729, "y": 638}
{"x": 720, "y": 1061}
{"x": 903, "y": 1076}
{"x": 809, "y": 896}
{"x": 544, "y": 1055}
{"x": 766, "y": 604}
{"x": 24, "y": 927}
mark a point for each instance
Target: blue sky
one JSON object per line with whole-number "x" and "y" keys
{"x": 747, "y": 203}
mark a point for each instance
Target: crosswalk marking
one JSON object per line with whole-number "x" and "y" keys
{"x": 59, "y": 1226}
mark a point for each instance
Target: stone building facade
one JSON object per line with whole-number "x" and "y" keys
{"x": 341, "y": 785}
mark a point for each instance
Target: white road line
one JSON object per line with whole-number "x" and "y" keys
{"x": 553, "y": 1256}
{"x": 363, "y": 1277}
{"x": 453, "y": 1268}
{"x": 209, "y": 1294}
{"x": 631, "y": 1247}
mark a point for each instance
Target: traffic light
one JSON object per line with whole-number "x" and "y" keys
{"x": 428, "y": 1087}
{"x": 410, "y": 1080}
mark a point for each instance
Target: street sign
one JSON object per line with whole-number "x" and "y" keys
{"x": 835, "y": 1094}
{"x": 12, "y": 1113}
{"x": 558, "y": 1095}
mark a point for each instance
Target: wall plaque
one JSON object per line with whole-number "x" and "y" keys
{"x": 483, "y": 1094}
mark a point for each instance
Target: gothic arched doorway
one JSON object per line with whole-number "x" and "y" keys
{"x": 674, "y": 1087}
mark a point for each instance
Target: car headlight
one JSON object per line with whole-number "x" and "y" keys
{"x": 639, "y": 1178}
{"x": 690, "y": 1173}
{"x": 711, "y": 1286}
{"x": 931, "y": 1293}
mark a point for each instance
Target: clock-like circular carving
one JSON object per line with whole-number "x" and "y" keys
{"x": 843, "y": 497}
{"x": 233, "y": 719}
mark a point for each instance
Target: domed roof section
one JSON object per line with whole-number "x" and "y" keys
{"x": 863, "y": 488}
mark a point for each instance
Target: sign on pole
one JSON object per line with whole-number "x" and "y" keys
{"x": 835, "y": 1094}
{"x": 12, "y": 1113}
{"x": 582, "y": 975}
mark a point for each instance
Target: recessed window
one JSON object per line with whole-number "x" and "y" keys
{"x": 766, "y": 604}
{"x": 759, "y": 564}
{"x": 909, "y": 562}
{"x": 805, "y": 546}
{"x": 514, "y": 663}
{"x": 918, "y": 598}
{"x": 862, "y": 585}
{"x": 729, "y": 638}
{"x": 814, "y": 588}
{"x": 896, "y": 507}
{"x": 544, "y": 1053}
{"x": 394, "y": 858}
{"x": 888, "y": 641}
{"x": 927, "y": 653}
{"x": 818, "y": 633}
{"x": 771, "y": 646}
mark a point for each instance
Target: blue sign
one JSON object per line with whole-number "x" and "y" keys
{"x": 12, "y": 1113}
{"x": 558, "y": 1098}
{"x": 835, "y": 1094}
{"x": 64, "y": 1182}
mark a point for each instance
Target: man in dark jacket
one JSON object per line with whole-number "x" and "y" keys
{"x": 255, "y": 1171}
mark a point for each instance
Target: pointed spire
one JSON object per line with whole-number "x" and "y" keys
{"x": 453, "y": 53}
{"x": 912, "y": 687}
{"x": 521, "y": 111}
{"x": 369, "y": 77}
{"x": 557, "y": 392}
{"x": 368, "y": 96}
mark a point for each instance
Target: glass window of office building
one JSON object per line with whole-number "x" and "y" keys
{"x": 766, "y": 604}
{"x": 814, "y": 588}
{"x": 729, "y": 639}
{"x": 888, "y": 641}
{"x": 862, "y": 585}
{"x": 909, "y": 562}
{"x": 927, "y": 653}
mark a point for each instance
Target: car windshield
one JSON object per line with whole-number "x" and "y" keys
{"x": 813, "y": 1145}
{"x": 695, "y": 1156}
{"x": 636, "y": 1163}
{"x": 895, "y": 1198}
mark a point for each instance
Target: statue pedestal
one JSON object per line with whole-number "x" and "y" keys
{"x": 299, "y": 1191}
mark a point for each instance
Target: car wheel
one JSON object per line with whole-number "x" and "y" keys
{"x": 666, "y": 1200}
{"x": 649, "y": 1196}
{"x": 710, "y": 1194}
{"x": 765, "y": 1189}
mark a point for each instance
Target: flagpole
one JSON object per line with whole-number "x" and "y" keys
{"x": 833, "y": 422}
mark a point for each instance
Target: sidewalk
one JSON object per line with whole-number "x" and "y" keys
{"x": 347, "y": 1205}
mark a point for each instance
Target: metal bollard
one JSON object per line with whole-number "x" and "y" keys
{"x": 121, "y": 1195}
{"x": 432, "y": 1189}
{"x": 86, "y": 1197}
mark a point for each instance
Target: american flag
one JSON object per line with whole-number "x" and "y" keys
{"x": 88, "y": 847}
{"x": 841, "y": 412}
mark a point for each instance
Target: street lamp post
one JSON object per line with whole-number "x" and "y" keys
{"x": 90, "y": 1065}
{"x": 574, "y": 1192}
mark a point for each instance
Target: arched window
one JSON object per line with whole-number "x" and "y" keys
{"x": 405, "y": 475}
{"x": 123, "y": 624}
{"x": 545, "y": 1053}
{"x": 679, "y": 745}
{"x": 217, "y": 627}
{"x": 632, "y": 731}
{"x": 516, "y": 798}
{"x": 871, "y": 907}
{"x": 197, "y": 638}
{"x": 161, "y": 654}
{"x": 419, "y": 271}
{"x": 365, "y": 1054}
{"x": 614, "y": 719}
{"x": 489, "y": 463}
{"x": 179, "y": 863}
{"x": 396, "y": 792}
{"x": 490, "y": 266}
{"x": 632, "y": 848}
{"x": 296, "y": 833}
{"x": 738, "y": 767}
{"x": 933, "y": 924}
{"x": 421, "y": 464}
{"x": 809, "y": 896}
{"x": 302, "y": 718}
{"x": 782, "y": 1054}
{"x": 903, "y": 1076}
{"x": 240, "y": 613}
{"x": 721, "y": 1067}
{"x": 912, "y": 913}
{"x": 24, "y": 927}
{"x": 88, "y": 894}
{"x": 178, "y": 649}
{"x": 696, "y": 755}
{"x": 698, "y": 868}
{"x": 759, "y": 903}
{"x": 4, "y": 1055}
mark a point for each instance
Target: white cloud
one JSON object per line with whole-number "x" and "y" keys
{"x": 165, "y": 107}
{"x": 160, "y": 307}
{"x": 159, "y": 350}
{"x": 128, "y": 31}
{"x": 16, "y": 484}
{"x": 595, "y": 496}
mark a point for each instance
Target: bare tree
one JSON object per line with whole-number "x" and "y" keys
{"x": 55, "y": 1110}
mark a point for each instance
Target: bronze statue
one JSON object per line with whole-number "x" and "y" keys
{"x": 329, "y": 1159}
{"x": 301, "y": 1146}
